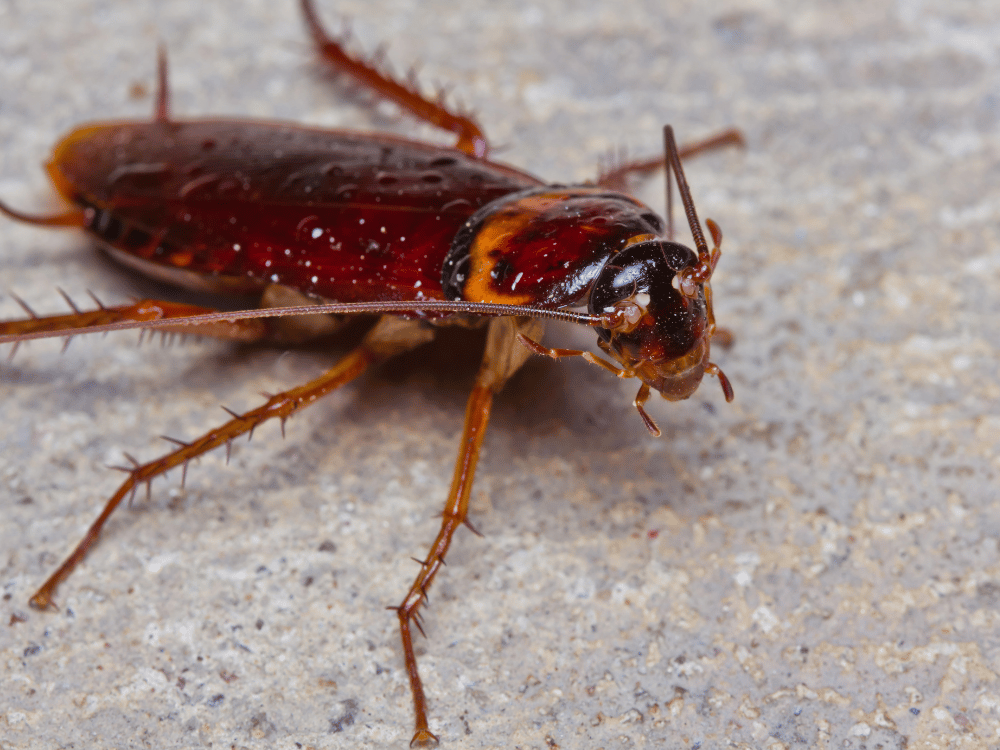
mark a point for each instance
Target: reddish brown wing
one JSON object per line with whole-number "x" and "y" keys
{"x": 240, "y": 204}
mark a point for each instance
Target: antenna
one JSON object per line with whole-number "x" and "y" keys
{"x": 673, "y": 160}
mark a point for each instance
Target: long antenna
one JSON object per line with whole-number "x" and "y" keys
{"x": 674, "y": 164}
{"x": 609, "y": 320}
{"x": 670, "y": 182}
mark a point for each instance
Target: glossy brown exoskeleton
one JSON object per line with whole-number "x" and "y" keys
{"x": 320, "y": 222}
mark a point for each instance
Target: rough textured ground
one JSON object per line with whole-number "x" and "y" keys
{"x": 815, "y": 565}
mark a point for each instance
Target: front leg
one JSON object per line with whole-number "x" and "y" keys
{"x": 502, "y": 358}
{"x": 544, "y": 351}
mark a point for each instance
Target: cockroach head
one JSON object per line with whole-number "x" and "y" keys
{"x": 663, "y": 322}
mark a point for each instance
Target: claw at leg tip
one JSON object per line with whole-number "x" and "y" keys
{"x": 424, "y": 738}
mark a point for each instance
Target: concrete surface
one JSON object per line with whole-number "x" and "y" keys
{"x": 815, "y": 565}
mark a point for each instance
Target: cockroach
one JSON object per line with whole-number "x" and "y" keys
{"x": 324, "y": 224}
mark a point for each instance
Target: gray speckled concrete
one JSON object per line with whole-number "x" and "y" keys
{"x": 815, "y": 565}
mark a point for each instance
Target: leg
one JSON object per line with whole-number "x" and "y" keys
{"x": 544, "y": 351}
{"x": 389, "y": 337}
{"x": 161, "y": 113}
{"x": 406, "y": 95}
{"x": 641, "y": 397}
{"x": 616, "y": 177}
{"x": 502, "y": 359}
{"x": 723, "y": 337}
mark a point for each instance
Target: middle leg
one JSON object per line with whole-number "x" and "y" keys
{"x": 504, "y": 355}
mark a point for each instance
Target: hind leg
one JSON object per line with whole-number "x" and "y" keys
{"x": 471, "y": 138}
{"x": 389, "y": 337}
